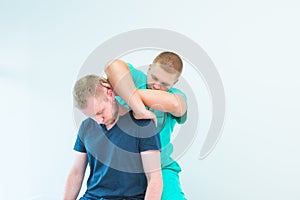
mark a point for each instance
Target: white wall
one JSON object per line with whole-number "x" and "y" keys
{"x": 254, "y": 45}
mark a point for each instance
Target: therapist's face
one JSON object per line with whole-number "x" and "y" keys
{"x": 159, "y": 79}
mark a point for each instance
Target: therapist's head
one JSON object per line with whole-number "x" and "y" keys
{"x": 164, "y": 72}
{"x": 95, "y": 98}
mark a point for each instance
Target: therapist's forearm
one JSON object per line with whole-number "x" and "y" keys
{"x": 164, "y": 101}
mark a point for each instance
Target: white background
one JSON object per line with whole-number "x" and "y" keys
{"x": 254, "y": 45}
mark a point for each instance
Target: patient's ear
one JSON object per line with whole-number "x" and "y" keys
{"x": 110, "y": 92}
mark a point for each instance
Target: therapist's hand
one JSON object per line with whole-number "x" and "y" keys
{"x": 145, "y": 114}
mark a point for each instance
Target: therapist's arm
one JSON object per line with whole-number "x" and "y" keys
{"x": 120, "y": 78}
{"x": 164, "y": 101}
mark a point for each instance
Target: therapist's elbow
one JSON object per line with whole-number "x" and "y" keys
{"x": 178, "y": 109}
{"x": 115, "y": 65}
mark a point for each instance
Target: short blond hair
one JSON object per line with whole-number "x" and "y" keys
{"x": 87, "y": 86}
{"x": 169, "y": 61}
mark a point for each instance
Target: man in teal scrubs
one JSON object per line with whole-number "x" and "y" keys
{"x": 155, "y": 90}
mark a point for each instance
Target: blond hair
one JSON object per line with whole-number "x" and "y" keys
{"x": 87, "y": 86}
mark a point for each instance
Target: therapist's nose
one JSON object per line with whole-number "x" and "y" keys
{"x": 156, "y": 86}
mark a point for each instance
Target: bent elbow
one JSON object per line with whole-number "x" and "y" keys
{"x": 179, "y": 108}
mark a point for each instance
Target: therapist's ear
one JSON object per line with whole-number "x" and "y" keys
{"x": 149, "y": 68}
{"x": 175, "y": 82}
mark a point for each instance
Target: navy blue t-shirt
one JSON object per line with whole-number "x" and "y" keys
{"x": 116, "y": 169}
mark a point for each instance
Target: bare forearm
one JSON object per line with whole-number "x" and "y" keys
{"x": 72, "y": 187}
{"x": 155, "y": 185}
{"x": 164, "y": 101}
{"x": 152, "y": 168}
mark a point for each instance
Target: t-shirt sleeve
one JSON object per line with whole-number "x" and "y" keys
{"x": 183, "y": 118}
{"x": 149, "y": 137}
{"x": 79, "y": 144}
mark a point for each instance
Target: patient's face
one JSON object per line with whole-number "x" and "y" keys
{"x": 102, "y": 110}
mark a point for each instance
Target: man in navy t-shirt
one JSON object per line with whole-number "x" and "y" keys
{"x": 122, "y": 152}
